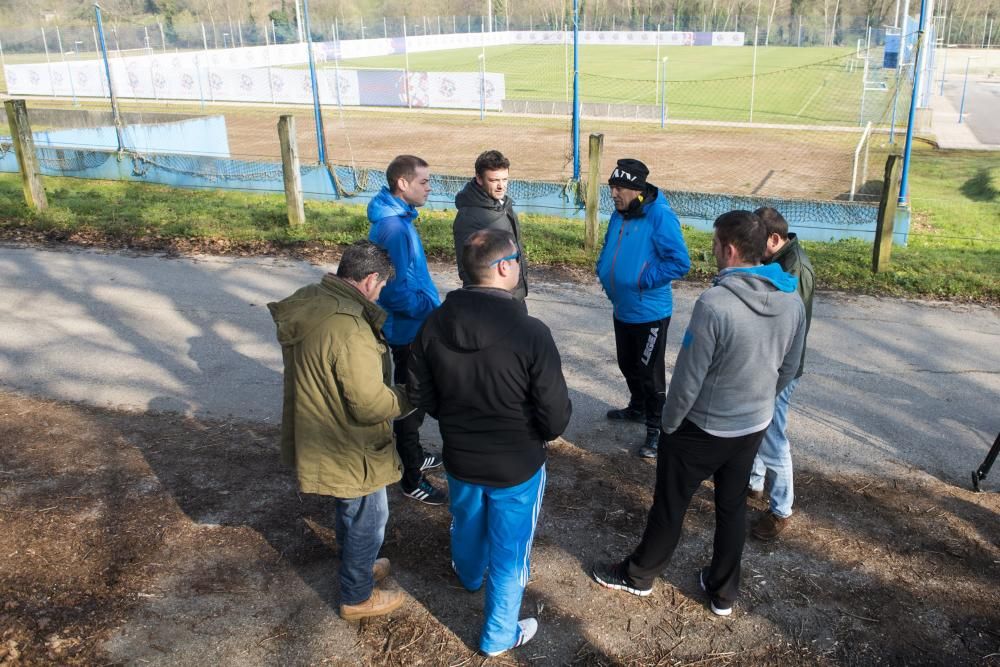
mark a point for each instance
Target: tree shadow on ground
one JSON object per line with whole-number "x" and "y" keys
{"x": 981, "y": 186}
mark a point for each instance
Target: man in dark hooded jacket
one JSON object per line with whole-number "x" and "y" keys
{"x": 491, "y": 376}
{"x": 484, "y": 204}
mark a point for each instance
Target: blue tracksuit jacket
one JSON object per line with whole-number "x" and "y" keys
{"x": 641, "y": 256}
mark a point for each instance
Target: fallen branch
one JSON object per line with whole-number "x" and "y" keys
{"x": 861, "y": 618}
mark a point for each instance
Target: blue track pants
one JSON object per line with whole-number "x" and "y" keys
{"x": 491, "y": 533}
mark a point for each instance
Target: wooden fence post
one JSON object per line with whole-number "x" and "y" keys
{"x": 24, "y": 149}
{"x": 882, "y": 248}
{"x": 290, "y": 170}
{"x": 593, "y": 191}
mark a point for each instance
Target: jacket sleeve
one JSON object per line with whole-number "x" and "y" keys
{"x": 460, "y": 232}
{"x": 807, "y": 284}
{"x": 693, "y": 362}
{"x": 367, "y": 399}
{"x": 420, "y": 383}
{"x": 793, "y": 356}
{"x": 549, "y": 394}
{"x": 400, "y": 295}
{"x": 602, "y": 268}
{"x": 670, "y": 259}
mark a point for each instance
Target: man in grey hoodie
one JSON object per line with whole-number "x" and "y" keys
{"x": 484, "y": 203}
{"x": 742, "y": 346}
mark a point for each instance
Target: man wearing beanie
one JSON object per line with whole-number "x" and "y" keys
{"x": 643, "y": 252}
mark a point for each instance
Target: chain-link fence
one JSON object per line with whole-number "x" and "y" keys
{"x": 785, "y": 117}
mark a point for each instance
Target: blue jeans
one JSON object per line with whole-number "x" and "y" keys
{"x": 360, "y": 529}
{"x": 491, "y": 530}
{"x": 774, "y": 459}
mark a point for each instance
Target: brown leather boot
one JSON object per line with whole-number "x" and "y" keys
{"x": 381, "y": 569}
{"x": 769, "y": 526}
{"x": 380, "y": 603}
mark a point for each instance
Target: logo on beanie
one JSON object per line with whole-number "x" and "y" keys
{"x": 621, "y": 173}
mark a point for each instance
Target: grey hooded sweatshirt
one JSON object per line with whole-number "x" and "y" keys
{"x": 742, "y": 347}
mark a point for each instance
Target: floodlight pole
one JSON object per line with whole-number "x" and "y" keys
{"x": 482, "y": 86}
{"x": 320, "y": 135}
{"x": 69, "y": 72}
{"x": 944, "y": 70}
{"x": 663, "y": 95}
{"x": 111, "y": 87}
{"x": 965, "y": 84}
{"x": 576, "y": 90}
{"x": 904, "y": 180}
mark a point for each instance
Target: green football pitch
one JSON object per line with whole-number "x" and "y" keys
{"x": 819, "y": 86}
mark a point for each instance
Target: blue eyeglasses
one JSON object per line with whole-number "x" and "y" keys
{"x": 509, "y": 258}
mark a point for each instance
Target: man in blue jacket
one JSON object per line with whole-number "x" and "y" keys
{"x": 408, "y": 299}
{"x": 643, "y": 252}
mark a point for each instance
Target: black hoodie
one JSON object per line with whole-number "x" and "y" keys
{"x": 478, "y": 210}
{"x": 491, "y": 375}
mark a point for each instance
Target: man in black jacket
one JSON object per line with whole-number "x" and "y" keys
{"x": 484, "y": 204}
{"x": 491, "y": 376}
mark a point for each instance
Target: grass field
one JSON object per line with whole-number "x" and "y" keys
{"x": 954, "y": 250}
{"x": 793, "y": 85}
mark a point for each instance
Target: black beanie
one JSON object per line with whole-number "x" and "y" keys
{"x": 630, "y": 174}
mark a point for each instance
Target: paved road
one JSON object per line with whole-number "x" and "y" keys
{"x": 982, "y": 108}
{"x": 892, "y": 387}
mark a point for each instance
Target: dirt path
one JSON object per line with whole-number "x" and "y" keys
{"x": 158, "y": 539}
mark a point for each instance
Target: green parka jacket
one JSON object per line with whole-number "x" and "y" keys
{"x": 339, "y": 401}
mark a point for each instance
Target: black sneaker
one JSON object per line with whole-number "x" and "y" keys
{"x": 629, "y": 414}
{"x": 427, "y": 493}
{"x": 719, "y": 608}
{"x": 613, "y": 576}
{"x": 430, "y": 461}
{"x": 649, "y": 448}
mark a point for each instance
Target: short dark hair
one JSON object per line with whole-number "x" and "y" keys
{"x": 774, "y": 222}
{"x": 491, "y": 161}
{"x": 402, "y": 166}
{"x": 482, "y": 248}
{"x": 745, "y": 231}
{"x": 363, "y": 258}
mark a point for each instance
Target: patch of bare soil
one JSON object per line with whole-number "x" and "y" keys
{"x": 156, "y": 538}
{"x": 765, "y": 162}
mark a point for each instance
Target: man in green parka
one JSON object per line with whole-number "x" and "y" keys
{"x": 339, "y": 404}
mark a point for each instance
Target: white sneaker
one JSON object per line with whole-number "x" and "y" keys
{"x": 527, "y": 627}
{"x": 720, "y": 609}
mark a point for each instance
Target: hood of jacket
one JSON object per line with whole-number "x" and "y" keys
{"x": 297, "y": 317}
{"x": 477, "y": 318}
{"x": 387, "y": 205}
{"x": 762, "y": 288}
{"x": 472, "y": 195}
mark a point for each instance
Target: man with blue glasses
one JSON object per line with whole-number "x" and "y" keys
{"x": 491, "y": 376}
